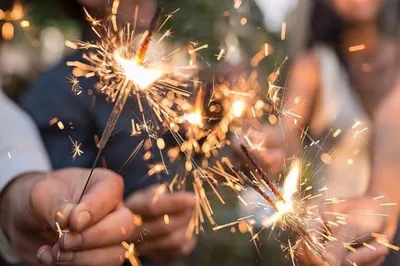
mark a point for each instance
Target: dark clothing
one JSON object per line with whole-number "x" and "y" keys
{"x": 83, "y": 117}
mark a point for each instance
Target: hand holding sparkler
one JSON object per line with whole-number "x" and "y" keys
{"x": 165, "y": 217}
{"x": 289, "y": 213}
{"x": 364, "y": 238}
{"x": 44, "y": 206}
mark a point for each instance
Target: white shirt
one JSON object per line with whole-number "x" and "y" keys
{"x": 21, "y": 152}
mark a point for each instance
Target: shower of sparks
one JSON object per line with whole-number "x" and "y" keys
{"x": 119, "y": 60}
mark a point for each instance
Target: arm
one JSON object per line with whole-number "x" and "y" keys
{"x": 298, "y": 104}
{"x": 299, "y": 99}
{"x": 386, "y": 155}
{"x": 21, "y": 149}
{"x": 21, "y": 153}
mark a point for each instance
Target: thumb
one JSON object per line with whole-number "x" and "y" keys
{"x": 104, "y": 194}
{"x": 54, "y": 197}
{"x": 51, "y": 201}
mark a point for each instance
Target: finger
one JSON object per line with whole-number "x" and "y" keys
{"x": 334, "y": 252}
{"x": 44, "y": 255}
{"x": 50, "y": 198}
{"x": 103, "y": 195}
{"x": 108, "y": 256}
{"x": 169, "y": 247}
{"x": 365, "y": 255}
{"x": 175, "y": 254}
{"x": 158, "y": 228}
{"x": 150, "y": 205}
{"x": 112, "y": 230}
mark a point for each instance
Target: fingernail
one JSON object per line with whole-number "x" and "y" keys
{"x": 72, "y": 241}
{"x": 44, "y": 257}
{"x": 65, "y": 256}
{"x": 83, "y": 219}
{"x": 63, "y": 214}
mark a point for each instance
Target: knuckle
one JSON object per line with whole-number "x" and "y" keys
{"x": 176, "y": 241}
{"x": 129, "y": 223}
{"x": 95, "y": 235}
{"x": 153, "y": 210}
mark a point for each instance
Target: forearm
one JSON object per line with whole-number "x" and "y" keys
{"x": 14, "y": 205}
{"x": 385, "y": 151}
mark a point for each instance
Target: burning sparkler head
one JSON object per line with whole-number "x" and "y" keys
{"x": 238, "y": 108}
{"x": 141, "y": 76}
{"x": 194, "y": 118}
{"x": 290, "y": 187}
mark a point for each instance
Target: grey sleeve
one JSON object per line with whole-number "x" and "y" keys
{"x": 21, "y": 151}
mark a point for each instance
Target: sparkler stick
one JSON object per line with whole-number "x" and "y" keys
{"x": 256, "y": 187}
{"x": 290, "y": 219}
{"x": 262, "y": 173}
{"x": 123, "y": 96}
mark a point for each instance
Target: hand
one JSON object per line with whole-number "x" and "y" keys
{"x": 40, "y": 201}
{"x": 364, "y": 216}
{"x": 155, "y": 239}
{"x": 269, "y": 149}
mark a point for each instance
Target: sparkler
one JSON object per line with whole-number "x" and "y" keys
{"x": 124, "y": 70}
{"x": 287, "y": 212}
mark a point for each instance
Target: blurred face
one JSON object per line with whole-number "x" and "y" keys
{"x": 358, "y": 11}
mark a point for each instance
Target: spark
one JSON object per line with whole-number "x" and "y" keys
{"x": 130, "y": 254}
{"x": 76, "y": 148}
{"x": 59, "y": 231}
{"x": 60, "y": 125}
{"x": 357, "y": 48}
{"x": 283, "y": 31}
{"x": 166, "y": 219}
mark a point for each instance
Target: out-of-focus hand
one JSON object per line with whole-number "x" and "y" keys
{"x": 159, "y": 239}
{"x": 267, "y": 147}
{"x": 364, "y": 216}
{"x": 34, "y": 204}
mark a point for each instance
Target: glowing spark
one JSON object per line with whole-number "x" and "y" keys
{"x": 76, "y": 148}
{"x": 238, "y": 108}
{"x": 166, "y": 219}
{"x": 131, "y": 254}
{"x": 357, "y": 48}
{"x": 59, "y": 231}
{"x": 192, "y": 51}
{"x": 60, "y": 125}
{"x": 283, "y": 31}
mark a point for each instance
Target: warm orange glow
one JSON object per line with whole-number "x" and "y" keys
{"x": 8, "y": 31}
{"x": 194, "y": 118}
{"x": 290, "y": 187}
{"x": 141, "y": 76}
{"x": 238, "y": 107}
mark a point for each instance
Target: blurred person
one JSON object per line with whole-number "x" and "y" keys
{"x": 348, "y": 80}
{"x": 33, "y": 199}
{"x": 85, "y": 116}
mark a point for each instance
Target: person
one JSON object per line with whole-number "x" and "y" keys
{"x": 31, "y": 196}
{"x": 85, "y": 116}
{"x": 345, "y": 89}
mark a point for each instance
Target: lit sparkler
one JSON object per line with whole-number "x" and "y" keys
{"x": 118, "y": 59}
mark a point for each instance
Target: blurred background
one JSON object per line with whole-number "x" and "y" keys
{"x": 33, "y": 36}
